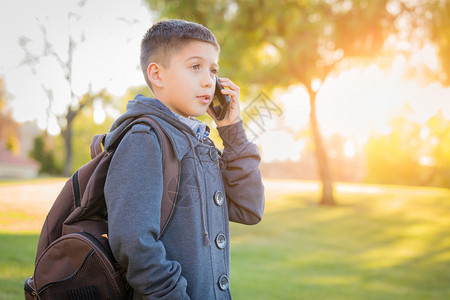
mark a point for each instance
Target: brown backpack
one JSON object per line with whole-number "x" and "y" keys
{"x": 73, "y": 259}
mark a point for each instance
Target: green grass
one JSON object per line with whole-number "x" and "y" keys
{"x": 381, "y": 242}
{"x": 17, "y": 252}
{"x": 390, "y": 244}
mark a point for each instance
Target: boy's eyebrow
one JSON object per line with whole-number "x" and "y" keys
{"x": 201, "y": 58}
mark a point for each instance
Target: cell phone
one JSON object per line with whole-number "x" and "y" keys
{"x": 220, "y": 103}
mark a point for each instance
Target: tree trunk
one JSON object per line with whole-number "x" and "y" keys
{"x": 67, "y": 135}
{"x": 86, "y": 100}
{"x": 321, "y": 155}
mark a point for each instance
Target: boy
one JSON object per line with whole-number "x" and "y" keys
{"x": 190, "y": 259}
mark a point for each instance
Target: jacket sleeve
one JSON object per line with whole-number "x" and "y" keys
{"x": 133, "y": 193}
{"x": 242, "y": 179}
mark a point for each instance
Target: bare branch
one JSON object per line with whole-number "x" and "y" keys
{"x": 30, "y": 60}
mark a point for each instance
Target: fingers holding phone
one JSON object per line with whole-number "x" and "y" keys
{"x": 220, "y": 103}
{"x": 226, "y": 109}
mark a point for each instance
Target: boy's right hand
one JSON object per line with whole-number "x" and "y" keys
{"x": 234, "y": 114}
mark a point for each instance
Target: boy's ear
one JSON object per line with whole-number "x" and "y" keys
{"x": 154, "y": 71}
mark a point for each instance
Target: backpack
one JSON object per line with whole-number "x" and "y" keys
{"x": 73, "y": 258}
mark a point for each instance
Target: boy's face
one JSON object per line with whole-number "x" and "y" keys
{"x": 188, "y": 83}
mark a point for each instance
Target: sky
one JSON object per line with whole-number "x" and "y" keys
{"x": 353, "y": 104}
{"x": 108, "y": 56}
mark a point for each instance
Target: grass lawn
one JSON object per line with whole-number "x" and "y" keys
{"x": 380, "y": 242}
{"x": 17, "y": 251}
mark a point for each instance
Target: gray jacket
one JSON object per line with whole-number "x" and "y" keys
{"x": 191, "y": 259}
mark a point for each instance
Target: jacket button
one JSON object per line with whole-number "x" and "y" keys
{"x": 213, "y": 153}
{"x": 223, "y": 282}
{"x": 221, "y": 241}
{"x": 218, "y": 198}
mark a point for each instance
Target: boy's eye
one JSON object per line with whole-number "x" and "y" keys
{"x": 214, "y": 71}
{"x": 196, "y": 67}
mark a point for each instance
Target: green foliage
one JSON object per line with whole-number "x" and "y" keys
{"x": 279, "y": 43}
{"x": 45, "y": 154}
{"x": 131, "y": 93}
{"x": 411, "y": 154}
{"x": 8, "y": 126}
{"x": 84, "y": 129}
{"x": 437, "y": 148}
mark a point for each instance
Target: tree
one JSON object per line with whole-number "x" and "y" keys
{"x": 436, "y": 144}
{"x": 45, "y": 155}
{"x": 394, "y": 158}
{"x": 424, "y": 23}
{"x": 411, "y": 153}
{"x": 76, "y": 103}
{"x": 67, "y": 125}
{"x": 438, "y": 20}
{"x": 84, "y": 128}
{"x": 282, "y": 43}
{"x": 8, "y": 127}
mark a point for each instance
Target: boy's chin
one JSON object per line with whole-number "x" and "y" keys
{"x": 188, "y": 114}
{"x": 199, "y": 113}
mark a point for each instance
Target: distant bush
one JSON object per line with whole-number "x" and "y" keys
{"x": 45, "y": 154}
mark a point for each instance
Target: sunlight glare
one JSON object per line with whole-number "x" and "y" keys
{"x": 99, "y": 112}
{"x": 296, "y": 107}
{"x": 316, "y": 84}
{"x": 429, "y": 57}
{"x": 349, "y": 148}
{"x": 278, "y": 145}
{"x": 427, "y": 161}
{"x": 424, "y": 133}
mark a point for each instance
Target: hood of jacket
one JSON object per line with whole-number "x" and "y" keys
{"x": 143, "y": 106}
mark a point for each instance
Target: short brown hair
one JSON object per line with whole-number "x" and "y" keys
{"x": 167, "y": 36}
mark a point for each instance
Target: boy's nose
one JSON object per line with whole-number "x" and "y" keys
{"x": 207, "y": 80}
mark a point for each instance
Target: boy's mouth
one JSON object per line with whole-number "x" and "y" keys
{"x": 204, "y": 98}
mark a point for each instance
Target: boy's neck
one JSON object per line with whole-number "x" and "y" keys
{"x": 200, "y": 129}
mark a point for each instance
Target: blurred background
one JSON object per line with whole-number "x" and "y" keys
{"x": 346, "y": 99}
{"x": 361, "y": 88}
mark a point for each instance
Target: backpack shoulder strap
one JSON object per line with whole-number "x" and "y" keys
{"x": 96, "y": 144}
{"x": 170, "y": 176}
{"x": 170, "y": 173}
{"x": 169, "y": 161}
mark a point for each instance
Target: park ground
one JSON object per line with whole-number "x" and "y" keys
{"x": 379, "y": 242}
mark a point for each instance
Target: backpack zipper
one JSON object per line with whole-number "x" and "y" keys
{"x": 76, "y": 189}
{"x": 105, "y": 255}
{"x": 29, "y": 289}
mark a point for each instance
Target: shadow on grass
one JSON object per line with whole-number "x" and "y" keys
{"x": 382, "y": 246}
{"x": 17, "y": 254}
{"x": 387, "y": 245}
